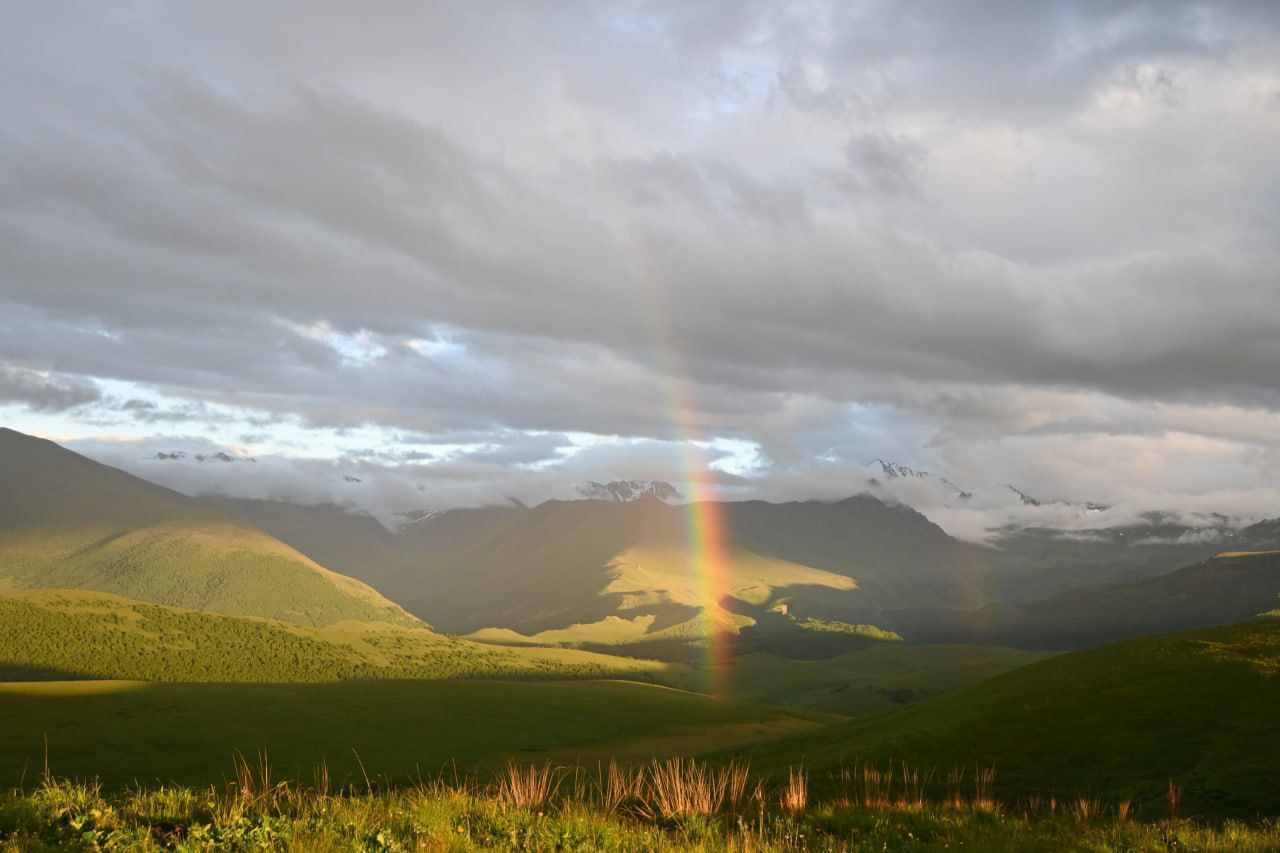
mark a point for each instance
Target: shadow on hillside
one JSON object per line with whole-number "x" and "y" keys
{"x": 25, "y": 672}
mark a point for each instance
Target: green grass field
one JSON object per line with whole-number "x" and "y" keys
{"x": 126, "y": 732}
{"x": 872, "y": 680}
{"x": 1201, "y": 708}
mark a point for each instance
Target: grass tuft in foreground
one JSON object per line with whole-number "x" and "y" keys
{"x": 674, "y": 804}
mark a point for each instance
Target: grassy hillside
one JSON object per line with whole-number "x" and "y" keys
{"x": 68, "y": 522}
{"x": 189, "y": 732}
{"x": 1119, "y": 721}
{"x": 73, "y": 633}
{"x": 1228, "y": 588}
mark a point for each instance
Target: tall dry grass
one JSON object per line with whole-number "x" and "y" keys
{"x": 679, "y": 787}
{"x": 611, "y": 788}
{"x": 530, "y": 786}
{"x": 795, "y": 794}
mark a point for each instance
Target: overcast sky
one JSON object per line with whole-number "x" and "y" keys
{"x": 464, "y": 251}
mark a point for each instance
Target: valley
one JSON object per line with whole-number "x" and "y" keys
{"x": 201, "y": 635}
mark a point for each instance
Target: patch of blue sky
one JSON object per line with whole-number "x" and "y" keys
{"x": 738, "y": 456}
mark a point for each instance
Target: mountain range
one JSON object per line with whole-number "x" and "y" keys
{"x": 615, "y": 570}
{"x": 567, "y": 563}
{"x": 592, "y": 571}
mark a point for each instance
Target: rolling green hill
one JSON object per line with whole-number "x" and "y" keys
{"x": 1118, "y": 721}
{"x": 1227, "y": 588}
{"x": 124, "y": 732}
{"x": 67, "y": 522}
{"x": 51, "y": 634}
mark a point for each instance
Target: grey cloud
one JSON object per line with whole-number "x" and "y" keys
{"x": 887, "y": 303}
{"x": 43, "y": 392}
{"x": 883, "y": 164}
{"x": 950, "y": 230}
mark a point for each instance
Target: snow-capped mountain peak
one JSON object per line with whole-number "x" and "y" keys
{"x": 416, "y": 516}
{"x": 1023, "y": 496}
{"x": 624, "y": 491}
{"x": 894, "y": 471}
{"x": 1027, "y": 500}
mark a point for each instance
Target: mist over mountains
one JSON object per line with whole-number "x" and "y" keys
{"x": 978, "y": 509}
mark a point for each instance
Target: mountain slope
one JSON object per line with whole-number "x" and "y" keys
{"x": 67, "y": 522}
{"x": 351, "y": 542}
{"x": 893, "y": 552}
{"x": 1227, "y": 588}
{"x": 1119, "y": 721}
{"x": 582, "y": 562}
{"x": 530, "y": 570}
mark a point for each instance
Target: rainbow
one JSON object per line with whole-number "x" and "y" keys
{"x": 707, "y": 537}
{"x": 705, "y": 527}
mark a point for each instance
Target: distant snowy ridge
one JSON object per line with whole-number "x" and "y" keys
{"x": 220, "y": 456}
{"x": 894, "y": 471}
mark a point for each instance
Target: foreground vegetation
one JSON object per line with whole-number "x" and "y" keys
{"x": 674, "y": 804}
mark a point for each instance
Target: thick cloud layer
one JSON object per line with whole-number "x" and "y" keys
{"x": 507, "y": 245}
